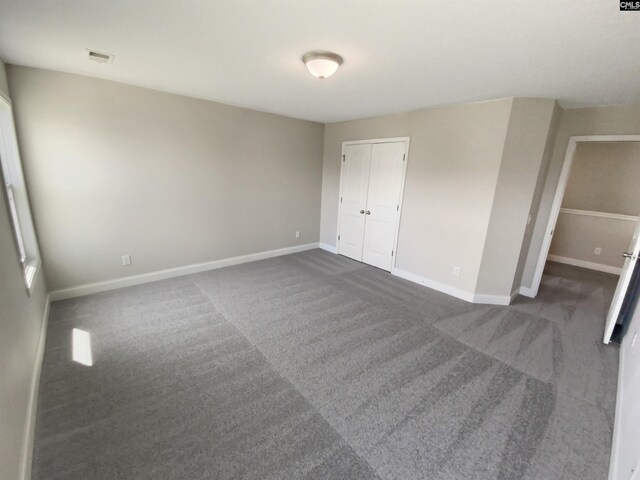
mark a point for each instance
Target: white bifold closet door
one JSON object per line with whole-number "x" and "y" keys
{"x": 370, "y": 191}
{"x": 354, "y": 186}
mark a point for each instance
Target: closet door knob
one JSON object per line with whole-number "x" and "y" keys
{"x": 361, "y": 211}
{"x": 368, "y": 212}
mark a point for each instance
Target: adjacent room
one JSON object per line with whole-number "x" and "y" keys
{"x": 320, "y": 239}
{"x": 598, "y": 219}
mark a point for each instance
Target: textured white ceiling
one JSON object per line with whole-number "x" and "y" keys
{"x": 399, "y": 55}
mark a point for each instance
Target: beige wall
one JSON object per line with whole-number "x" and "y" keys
{"x": 115, "y": 169}
{"x": 605, "y": 177}
{"x": 21, "y": 322}
{"x": 616, "y": 120}
{"x": 524, "y": 151}
{"x": 577, "y": 236}
{"x": 537, "y": 197}
{"x": 453, "y": 167}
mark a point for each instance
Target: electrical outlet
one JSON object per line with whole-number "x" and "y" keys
{"x": 456, "y": 271}
{"x": 126, "y": 260}
{"x": 298, "y": 234}
{"x": 597, "y": 251}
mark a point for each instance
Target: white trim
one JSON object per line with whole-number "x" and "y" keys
{"x": 449, "y": 290}
{"x": 557, "y": 199}
{"x": 340, "y": 185}
{"x": 328, "y": 248}
{"x": 471, "y": 297}
{"x": 584, "y": 264}
{"x": 407, "y": 143}
{"x": 21, "y": 222}
{"x": 396, "y": 238}
{"x": 29, "y": 430}
{"x": 616, "y": 441}
{"x": 590, "y": 213}
{"x": 493, "y": 299}
{"x": 376, "y": 140}
{"x": 427, "y": 282}
{"x": 30, "y": 280}
{"x": 526, "y": 291}
{"x": 90, "y": 288}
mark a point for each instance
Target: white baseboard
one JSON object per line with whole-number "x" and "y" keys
{"x": 97, "y": 287}
{"x": 584, "y": 264}
{"x": 328, "y": 248}
{"x": 453, "y": 291}
{"x": 427, "y": 282}
{"x": 29, "y": 430}
{"x": 526, "y": 291}
{"x": 492, "y": 299}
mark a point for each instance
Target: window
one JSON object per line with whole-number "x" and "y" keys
{"x": 16, "y": 196}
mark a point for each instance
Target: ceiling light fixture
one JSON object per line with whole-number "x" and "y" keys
{"x": 322, "y": 64}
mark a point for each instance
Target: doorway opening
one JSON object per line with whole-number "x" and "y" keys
{"x": 593, "y": 223}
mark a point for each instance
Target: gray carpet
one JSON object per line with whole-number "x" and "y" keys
{"x": 315, "y": 366}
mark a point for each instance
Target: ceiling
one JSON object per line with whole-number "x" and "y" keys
{"x": 399, "y": 55}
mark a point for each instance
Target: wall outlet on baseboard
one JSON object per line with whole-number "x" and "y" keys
{"x": 597, "y": 251}
{"x": 297, "y": 233}
{"x": 126, "y": 260}
{"x": 456, "y": 271}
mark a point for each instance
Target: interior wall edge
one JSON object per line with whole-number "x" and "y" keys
{"x": 528, "y": 258}
{"x": 488, "y": 242}
{"x": 523, "y": 158}
{"x": 30, "y": 426}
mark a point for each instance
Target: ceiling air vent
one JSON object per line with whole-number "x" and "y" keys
{"x": 99, "y": 56}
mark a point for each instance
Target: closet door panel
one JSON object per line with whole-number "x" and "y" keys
{"x": 383, "y": 203}
{"x": 354, "y": 184}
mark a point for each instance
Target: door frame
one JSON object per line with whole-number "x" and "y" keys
{"x": 559, "y": 195}
{"x": 407, "y": 141}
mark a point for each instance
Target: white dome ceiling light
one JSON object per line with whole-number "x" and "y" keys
{"x": 322, "y": 64}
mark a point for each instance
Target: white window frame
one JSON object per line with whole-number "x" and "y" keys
{"x": 15, "y": 192}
